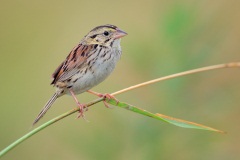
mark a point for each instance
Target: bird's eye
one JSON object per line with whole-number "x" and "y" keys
{"x": 106, "y": 33}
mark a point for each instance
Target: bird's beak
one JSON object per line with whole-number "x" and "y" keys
{"x": 119, "y": 34}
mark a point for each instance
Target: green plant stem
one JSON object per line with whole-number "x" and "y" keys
{"x": 36, "y": 130}
{"x": 50, "y": 122}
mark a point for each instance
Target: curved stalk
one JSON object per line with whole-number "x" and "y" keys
{"x": 36, "y": 130}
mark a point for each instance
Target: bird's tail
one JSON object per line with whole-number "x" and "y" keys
{"x": 46, "y": 107}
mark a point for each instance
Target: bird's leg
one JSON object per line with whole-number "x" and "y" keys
{"x": 81, "y": 106}
{"x": 108, "y": 96}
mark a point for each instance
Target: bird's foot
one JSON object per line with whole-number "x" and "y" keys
{"x": 81, "y": 106}
{"x": 105, "y": 96}
{"x": 81, "y": 110}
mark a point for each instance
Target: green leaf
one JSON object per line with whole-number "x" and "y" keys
{"x": 168, "y": 119}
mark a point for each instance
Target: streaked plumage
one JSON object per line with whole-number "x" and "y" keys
{"x": 87, "y": 65}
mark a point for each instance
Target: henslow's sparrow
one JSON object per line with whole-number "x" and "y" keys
{"x": 88, "y": 64}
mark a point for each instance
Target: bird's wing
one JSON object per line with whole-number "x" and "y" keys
{"x": 75, "y": 61}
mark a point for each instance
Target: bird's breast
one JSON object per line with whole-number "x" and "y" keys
{"x": 98, "y": 69}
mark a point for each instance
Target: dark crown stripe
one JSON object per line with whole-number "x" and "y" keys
{"x": 107, "y": 25}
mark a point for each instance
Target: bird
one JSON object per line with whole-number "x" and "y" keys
{"x": 88, "y": 64}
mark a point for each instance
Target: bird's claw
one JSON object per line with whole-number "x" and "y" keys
{"x": 107, "y": 96}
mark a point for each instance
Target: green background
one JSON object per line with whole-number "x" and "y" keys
{"x": 165, "y": 37}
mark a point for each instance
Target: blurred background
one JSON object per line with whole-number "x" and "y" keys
{"x": 165, "y": 37}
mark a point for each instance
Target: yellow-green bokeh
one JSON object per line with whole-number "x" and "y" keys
{"x": 165, "y": 37}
